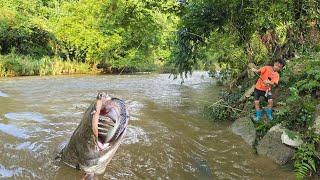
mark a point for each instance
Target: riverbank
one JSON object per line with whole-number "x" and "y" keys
{"x": 295, "y": 101}
{"x": 18, "y": 65}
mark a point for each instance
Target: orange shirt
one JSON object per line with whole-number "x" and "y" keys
{"x": 267, "y": 72}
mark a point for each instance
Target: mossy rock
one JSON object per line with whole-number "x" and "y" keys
{"x": 272, "y": 146}
{"x": 244, "y": 127}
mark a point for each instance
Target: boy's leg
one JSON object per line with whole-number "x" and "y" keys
{"x": 270, "y": 102}
{"x": 258, "y": 111}
{"x": 257, "y": 104}
{"x": 269, "y": 109}
{"x": 257, "y": 95}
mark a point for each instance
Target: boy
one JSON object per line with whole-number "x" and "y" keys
{"x": 269, "y": 77}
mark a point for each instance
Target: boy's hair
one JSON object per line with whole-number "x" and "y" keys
{"x": 281, "y": 61}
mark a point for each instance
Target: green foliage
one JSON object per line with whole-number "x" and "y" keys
{"x": 300, "y": 77}
{"x": 291, "y": 134}
{"x": 20, "y": 34}
{"x": 219, "y": 50}
{"x": 299, "y": 103}
{"x": 198, "y": 21}
{"x": 16, "y": 65}
{"x": 303, "y": 76}
{"x": 262, "y": 128}
{"x": 263, "y": 29}
{"x": 310, "y": 78}
{"x": 225, "y": 108}
{"x": 297, "y": 115}
{"x": 118, "y": 35}
{"x": 305, "y": 160}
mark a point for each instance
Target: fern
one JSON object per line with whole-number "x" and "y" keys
{"x": 308, "y": 85}
{"x": 303, "y": 168}
{"x": 305, "y": 160}
{"x": 309, "y": 79}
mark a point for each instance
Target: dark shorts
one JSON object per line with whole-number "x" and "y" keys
{"x": 258, "y": 93}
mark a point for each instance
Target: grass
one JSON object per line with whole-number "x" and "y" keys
{"x": 17, "y": 65}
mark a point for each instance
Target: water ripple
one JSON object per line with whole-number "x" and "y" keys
{"x": 15, "y": 172}
{"x": 13, "y": 131}
{"x": 25, "y": 116}
{"x": 136, "y": 135}
{"x": 2, "y": 94}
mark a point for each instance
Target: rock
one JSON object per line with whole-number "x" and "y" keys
{"x": 272, "y": 146}
{"x": 316, "y": 124}
{"x": 244, "y": 127}
{"x": 295, "y": 142}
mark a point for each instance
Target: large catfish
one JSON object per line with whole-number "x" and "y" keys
{"x": 92, "y": 154}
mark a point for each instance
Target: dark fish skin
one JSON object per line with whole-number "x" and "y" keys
{"x": 82, "y": 150}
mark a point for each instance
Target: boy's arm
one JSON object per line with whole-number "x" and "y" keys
{"x": 255, "y": 70}
{"x": 272, "y": 82}
{"x": 261, "y": 70}
{"x": 268, "y": 83}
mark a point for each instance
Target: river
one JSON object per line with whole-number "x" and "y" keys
{"x": 168, "y": 135}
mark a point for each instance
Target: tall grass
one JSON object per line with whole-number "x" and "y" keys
{"x": 17, "y": 65}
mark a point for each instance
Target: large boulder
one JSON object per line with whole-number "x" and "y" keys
{"x": 272, "y": 146}
{"x": 244, "y": 127}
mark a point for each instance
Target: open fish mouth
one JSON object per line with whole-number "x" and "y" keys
{"x": 91, "y": 154}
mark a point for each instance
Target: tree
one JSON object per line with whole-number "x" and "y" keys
{"x": 281, "y": 26}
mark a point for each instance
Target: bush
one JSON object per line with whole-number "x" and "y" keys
{"x": 16, "y": 65}
{"x": 225, "y": 108}
{"x": 306, "y": 157}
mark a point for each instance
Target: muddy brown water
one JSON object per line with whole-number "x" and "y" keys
{"x": 168, "y": 136}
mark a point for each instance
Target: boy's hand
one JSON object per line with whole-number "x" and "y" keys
{"x": 254, "y": 70}
{"x": 267, "y": 82}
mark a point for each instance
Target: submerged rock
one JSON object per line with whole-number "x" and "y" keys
{"x": 244, "y": 127}
{"x": 272, "y": 146}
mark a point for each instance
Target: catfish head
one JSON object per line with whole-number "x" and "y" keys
{"x": 85, "y": 151}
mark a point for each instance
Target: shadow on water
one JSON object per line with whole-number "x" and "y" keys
{"x": 202, "y": 168}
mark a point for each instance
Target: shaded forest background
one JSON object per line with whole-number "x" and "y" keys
{"x": 44, "y": 37}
